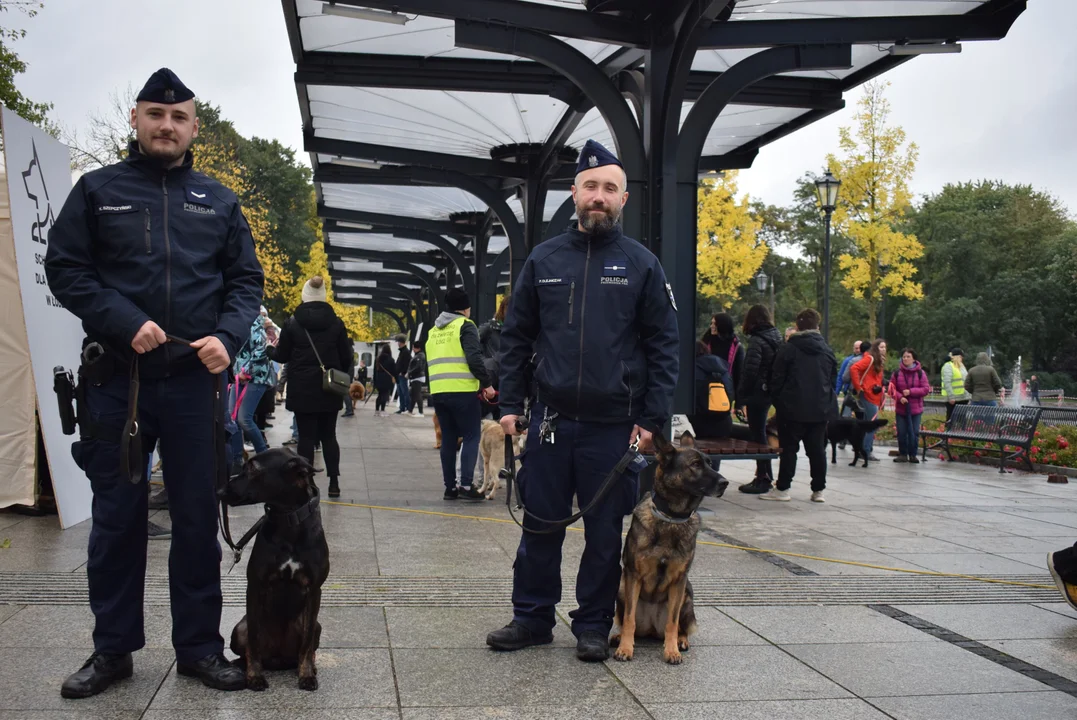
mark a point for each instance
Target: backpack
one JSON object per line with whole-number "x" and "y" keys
{"x": 716, "y": 394}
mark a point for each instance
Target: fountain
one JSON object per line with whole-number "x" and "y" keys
{"x": 1016, "y": 397}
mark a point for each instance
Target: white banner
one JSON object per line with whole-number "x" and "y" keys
{"x": 38, "y": 181}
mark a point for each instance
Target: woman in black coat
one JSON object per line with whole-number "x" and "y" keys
{"x": 384, "y": 378}
{"x": 315, "y": 409}
{"x": 752, "y": 394}
{"x": 722, "y": 341}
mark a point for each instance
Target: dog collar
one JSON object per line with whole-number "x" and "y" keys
{"x": 298, "y": 516}
{"x": 661, "y": 510}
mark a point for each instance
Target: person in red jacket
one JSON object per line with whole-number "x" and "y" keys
{"x": 908, "y": 386}
{"x": 867, "y": 377}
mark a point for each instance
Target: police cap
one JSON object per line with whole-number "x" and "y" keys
{"x": 164, "y": 87}
{"x": 594, "y": 155}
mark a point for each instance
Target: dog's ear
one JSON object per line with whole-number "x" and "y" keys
{"x": 301, "y": 465}
{"x": 687, "y": 440}
{"x": 664, "y": 450}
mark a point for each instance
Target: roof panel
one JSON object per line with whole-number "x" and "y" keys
{"x": 431, "y": 203}
{"x": 376, "y": 241}
{"x": 809, "y": 9}
{"x": 722, "y": 60}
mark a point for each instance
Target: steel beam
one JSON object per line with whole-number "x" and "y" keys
{"x": 561, "y": 218}
{"x": 399, "y": 222}
{"x": 406, "y": 156}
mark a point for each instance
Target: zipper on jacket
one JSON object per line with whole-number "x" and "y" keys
{"x": 168, "y": 269}
{"x": 583, "y": 310}
{"x": 149, "y": 245}
{"x": 625, "y": 366}
{"x": 571, "y": 294}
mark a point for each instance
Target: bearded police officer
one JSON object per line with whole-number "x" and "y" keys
{"x": 143, "y": 248}
{"x": 595, "y": 309}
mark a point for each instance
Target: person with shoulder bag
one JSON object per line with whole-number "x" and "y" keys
{"x": 753, "y": 393}
{"x": 315, "y": 344}
{"x": 867, "y": 379}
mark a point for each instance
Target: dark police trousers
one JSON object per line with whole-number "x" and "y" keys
{"x": 578, "y": 460}
{"x": 178, "y": 412}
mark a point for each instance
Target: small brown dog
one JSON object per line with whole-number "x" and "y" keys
{"x": 356, "y": 392}
{"x": 492, "y": 449}
{"x": 437, "y": 434}
{"x": 655, "y": 597}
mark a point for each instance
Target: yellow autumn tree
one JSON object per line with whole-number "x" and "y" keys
{"x": 875, "y": 170}
{"x": 220, "y": 162}
{"x": 356, "y": 317}
{"x": 728, "y": 249}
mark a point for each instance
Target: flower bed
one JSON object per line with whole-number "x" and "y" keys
{"x": 1054, "y": 446}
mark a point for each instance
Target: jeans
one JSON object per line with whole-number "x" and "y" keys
{"x": 790, "y": 434}
{"x": 459, "y": 416}
{"x": 985, "y": 403}
{"x": 245, "y": 418}
{"x": 870, "y": 411}
{"x": 908, "y": 434}
{"x": 402, "y": 393}
{"x": 417, "y": 397}
{"x": 757, "y": 424}
{"x": 320, "y": 427}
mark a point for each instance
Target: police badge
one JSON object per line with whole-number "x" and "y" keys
{"x": 669, "y": 291}
{"x": 592, "y": 161}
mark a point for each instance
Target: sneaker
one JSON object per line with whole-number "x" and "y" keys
{"x": 420, "y": 415}
{"x": 515, "y": 636}
{"x": 415, "y": 412}
{"x": 901, "y": 459}
{"x": 1068, "y": 590}
{"x": 451, "y": 494}
{"x": 334, "y": 488}
{"x": 156, "y": 532}
{"x": 470, "y": 493}
{"x": 159, "y": 500}
{"x": 97, "y": 674}
{"x": 841, "y": 445}
{"x": 817, "y": 496}
{"x": 755, "y": 487}
{"x": 593, "y": 646}
{"x": 291, "y": 441}
{"x": 776, "y": 494}
{"x": 914, "y": 460}
{"x": 215, "y": 671}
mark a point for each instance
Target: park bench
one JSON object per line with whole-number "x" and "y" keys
{"x": 1002, "y": 426}
{"x": 1054, "y": 416}
{"x": 717, "y": 450}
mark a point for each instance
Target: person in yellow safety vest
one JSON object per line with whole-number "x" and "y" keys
{"x": 456, "y": 371}
{"x": 953, "y": 382}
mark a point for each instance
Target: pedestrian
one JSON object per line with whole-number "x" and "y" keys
{"x": 867, "y": 378}
{"x": 722, "y": 340}
{"x": 983, "y": 382}
{"x": 403, "y": 361}
{"x": 362, "y": 374}
{"x": 312, "y": 341}
{"x": 753, "y": 392}
{"x": 712, "y": 423}
{"x": 456, "y": 378}
{"x": 908, "y": 386}
{"x": 195, "y": 276}
{"x": 254, "y": 378}
{"x": 384, "y": 379}
{"x": 1034, "y": 389}
{"x": 490, "y": 341}
{"x": 789, "y": 332}
{"x": 953, "y": 382}
{"x": 417, "y": 379}
{"x": 604, "y": 381}
{"x": 802, "y": 388}
{"x": 844, "y": 383}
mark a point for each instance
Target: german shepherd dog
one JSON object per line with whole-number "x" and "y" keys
{"x": 655, "y": 597}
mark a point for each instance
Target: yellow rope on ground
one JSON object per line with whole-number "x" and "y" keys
{"x": 911, "y": 571}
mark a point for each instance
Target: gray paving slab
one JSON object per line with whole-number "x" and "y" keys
{"x": 347, "y": 678}
{"x": 6, "y": 611}
{"x": 30, "y": 679}
{"x": 620, "y": 709}
{"x": 1048, "y": 705}
{"x": 969, "y": 563}
{"x": 851, "y": 709}
{"x": 1057, "y": 655}
{"x": 535, "y": 676}
{"x": 997, "y": 622}
{"x": 277, "y": 714}
{"x": 824, "y": 624}
{"x": 71, "y": 715}
{"x": 897, "y": 669}
{"x": 1010, "y": 544}
{"x": 455, "y": 628}
{"x": 353, "y": 627}
{"x": 714, "y": 674}
{"x": 1059, "y": 607}
{"x": 908, "y": 544}
{"x": 42, "y": 559}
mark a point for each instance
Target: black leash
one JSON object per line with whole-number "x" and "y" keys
{"x": 512, "y": 489}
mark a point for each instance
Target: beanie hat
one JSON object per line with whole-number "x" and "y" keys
{"x": 457, "y": 300}
{"x": 956, "y": 351}
{"x": 314, "y": 290}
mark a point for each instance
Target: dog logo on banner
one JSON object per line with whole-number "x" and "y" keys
{"x": 34, "y": 182}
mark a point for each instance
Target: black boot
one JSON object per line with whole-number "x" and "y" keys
{"x": 593, "y": 646}
{"x": 757, "y": 486}
{"x": 97, "y": 673}
{"x": 334, "y": 488}
{"x": 215, "y": 671}
{"x": 515, "y": 636}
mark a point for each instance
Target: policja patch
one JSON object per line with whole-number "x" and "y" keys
{"x": 669, "y": 291}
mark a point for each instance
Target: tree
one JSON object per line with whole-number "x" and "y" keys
{"x": 728, "y": 250}
{"x": 356, "y": 318}
{"x": 11, "y": 65}
{"x": 874, "y": 197}
{"x": 104, "y": 141}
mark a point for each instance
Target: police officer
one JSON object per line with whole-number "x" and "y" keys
{"x": 143, "y": 248}
{"x": 595, "y": 308}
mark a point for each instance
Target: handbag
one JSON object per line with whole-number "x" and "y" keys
{"x": 335, "y": 381}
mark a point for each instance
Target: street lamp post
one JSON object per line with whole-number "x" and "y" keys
{"x": 761, "y": 283}
{"x": 827, "y": 187}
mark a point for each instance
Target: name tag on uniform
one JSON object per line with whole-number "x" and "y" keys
{"x": 115, "y": 208}
{"x": 614, "y": 274}
{"x": 550, "y": 281}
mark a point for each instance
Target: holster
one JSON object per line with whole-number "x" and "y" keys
{"x": 100, "y": 365}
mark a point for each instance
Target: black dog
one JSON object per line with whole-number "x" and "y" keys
{"x": 851, "y": 430}
{"x": 288, "y": 565}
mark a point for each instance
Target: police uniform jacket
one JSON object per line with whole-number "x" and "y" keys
{"x": 599, "y": 316}
{"x": 135, "y": 242}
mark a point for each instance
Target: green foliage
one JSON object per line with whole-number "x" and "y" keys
{"x": 11, "y": 65}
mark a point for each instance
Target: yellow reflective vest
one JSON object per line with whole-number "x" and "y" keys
{"x": 953, "y": 381}
{"x": 446, "y": 362}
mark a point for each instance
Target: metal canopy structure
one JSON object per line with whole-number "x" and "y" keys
{"x": 444, "y": 134}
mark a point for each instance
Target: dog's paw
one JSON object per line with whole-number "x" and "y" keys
{"x": 682, "y": 644}
{"x": 308, "y": 683}
{"x": 257, "y": 683}
{"x": 615, "y": 640}
{"x": 623, "y": 654}
{"x": 672, "y": 656}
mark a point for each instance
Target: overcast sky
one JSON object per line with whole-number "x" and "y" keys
{"x": 1001, "y": 110}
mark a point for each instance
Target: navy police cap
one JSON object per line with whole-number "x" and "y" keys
{"x": 165, "y": 87}
{"x": 594, "y": 155}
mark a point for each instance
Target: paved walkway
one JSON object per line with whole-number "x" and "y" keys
{"x": 411, "y": 597}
